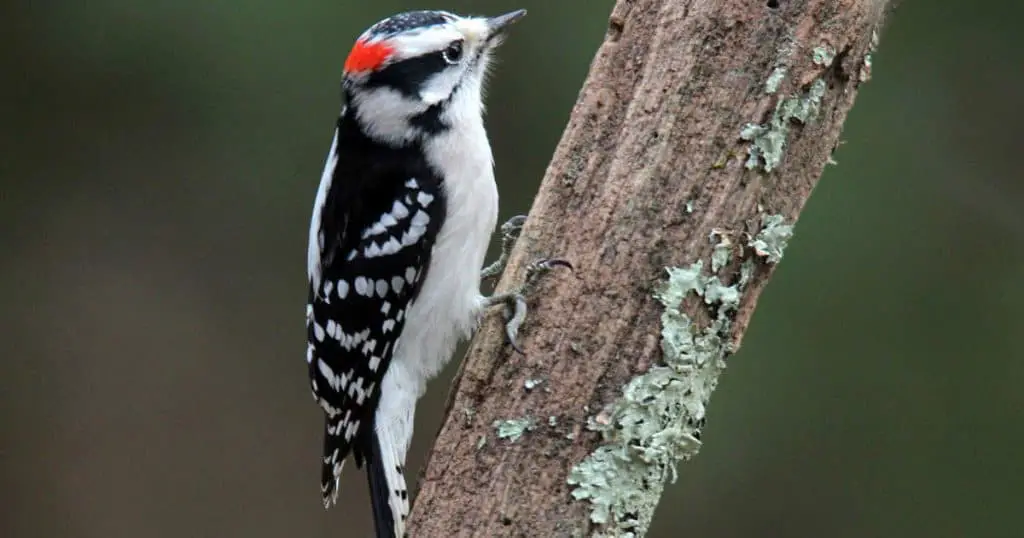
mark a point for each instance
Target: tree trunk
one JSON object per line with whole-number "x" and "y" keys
{"x": 699, "y": 134}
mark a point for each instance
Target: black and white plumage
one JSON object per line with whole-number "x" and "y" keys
{"x": 401, "y": 222}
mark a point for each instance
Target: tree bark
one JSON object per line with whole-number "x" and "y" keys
{"x": 698, "y": 136}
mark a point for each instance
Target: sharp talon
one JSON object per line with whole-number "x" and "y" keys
{"x": 513, "y": 224}
{"x": 513, "y": 343}
{"x": 557, "y": 262}
{"x": 512, "y": 326}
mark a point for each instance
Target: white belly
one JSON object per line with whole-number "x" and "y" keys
{"x": 448, "y": 305}
{"x": 449, "y": 302}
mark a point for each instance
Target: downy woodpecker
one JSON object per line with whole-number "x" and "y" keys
{"x": 401, "y": 222}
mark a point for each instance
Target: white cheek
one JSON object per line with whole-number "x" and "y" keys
{"x": 385, "y": 112}
{"x": 440, "y": 86}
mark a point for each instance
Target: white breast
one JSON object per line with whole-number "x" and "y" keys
{"x": 448, "y": 305}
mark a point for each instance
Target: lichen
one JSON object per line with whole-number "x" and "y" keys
{"x": 657, "y": 421}
{"x": 771, "y": 240}
{"x": 721, "y": 253}
{"x": 746, "y": 273}
{"x": 768, "y": 140}
{"x": 865, "y": 69}
{"x": 531, "y": 384}
{"x": 774, "y": 80}
{"x": 823, "y": 55}
{"x": 513, "y": 429}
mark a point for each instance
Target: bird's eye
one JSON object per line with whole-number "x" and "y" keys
{"x": 453, "y": 53}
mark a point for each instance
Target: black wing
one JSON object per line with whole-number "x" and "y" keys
{"x": 379, "y": 221}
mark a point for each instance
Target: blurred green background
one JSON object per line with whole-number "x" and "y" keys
{"x": 159, "y": 161}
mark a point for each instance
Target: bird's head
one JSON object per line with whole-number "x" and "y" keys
{"x": 421, "y": 72}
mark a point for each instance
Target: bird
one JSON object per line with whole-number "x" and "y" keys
{"x": 404, "y": 212}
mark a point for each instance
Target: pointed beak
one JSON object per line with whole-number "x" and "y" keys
{"x": 498, "y": 25}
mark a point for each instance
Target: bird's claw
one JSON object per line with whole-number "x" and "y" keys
{"x": 510, "y": 231}
{"x": 515, "y": 301}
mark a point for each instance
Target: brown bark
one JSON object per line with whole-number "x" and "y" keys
{"x": 651, "y": 162}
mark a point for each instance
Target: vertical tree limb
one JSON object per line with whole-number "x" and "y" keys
{"x": 697, "y": 138}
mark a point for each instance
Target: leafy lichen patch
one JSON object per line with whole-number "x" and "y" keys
{"x": 768, "y": 140}
{"x": 774, "y": 80}
{"x": 531, "y": 384}
{"x": 513, "y": 429}
{"x": 823, "y": 55}
{"x": 721, "y": 253}
{"x": 657, "y": 421}
{"x": 771, "y": 240}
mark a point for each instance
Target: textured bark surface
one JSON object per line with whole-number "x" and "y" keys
{"x": 651, "y": 162}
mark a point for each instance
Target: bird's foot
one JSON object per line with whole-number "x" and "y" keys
{"x": 510, "y": 231}
{"x": 515, "y": 300}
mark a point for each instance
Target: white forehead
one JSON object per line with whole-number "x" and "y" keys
{"x": 416, "y": 42}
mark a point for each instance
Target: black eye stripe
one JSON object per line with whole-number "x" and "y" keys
{"x": 407, "y": 76}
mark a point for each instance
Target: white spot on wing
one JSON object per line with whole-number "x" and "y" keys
{"x": 382, "y": 287}
{"x": 342, "y": 288}
{"x": 363, "y": 286}
{"x": 396, "y": 284}
{"x": 413, "y": 235}
{"x": 318, "y": 332}
{"x": 410, "y": 274}
{"x": 377, "y": 229}
{"x": 391, "y": 247}
{"x": 399, "y": 211}
{"x": 325, "y": 370}
{"x": 412, "y": 184}
{"x": 424, "y": 199}
{"x": 372, "y": 251}
{"x": 420, "y": 218}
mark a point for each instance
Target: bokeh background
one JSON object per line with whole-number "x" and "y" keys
{"x": 158, "y": 162}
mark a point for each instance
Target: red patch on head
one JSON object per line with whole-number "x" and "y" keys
{"x": 366, "y": 56}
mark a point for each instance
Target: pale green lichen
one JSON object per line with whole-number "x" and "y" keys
{"x": 768, "y": 140}
{"x": 774, "y": 80}
{"x": 823, "y": 55}
{"x": 865, "y": 70}
{"x": 771, "y": 240}
{"x": 746, "y": 272}
{"x": 481, "y": 441}
{"x": 552, "y": 421}
{"x": 721, "y": 253}
{"x": 657, "y": 421}
{"x": 531, "y": 384}
{"x": 513, "y": 429}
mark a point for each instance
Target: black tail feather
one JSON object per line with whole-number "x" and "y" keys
{"x": 383, "y": 519}
{"x": 335, "y": 451}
